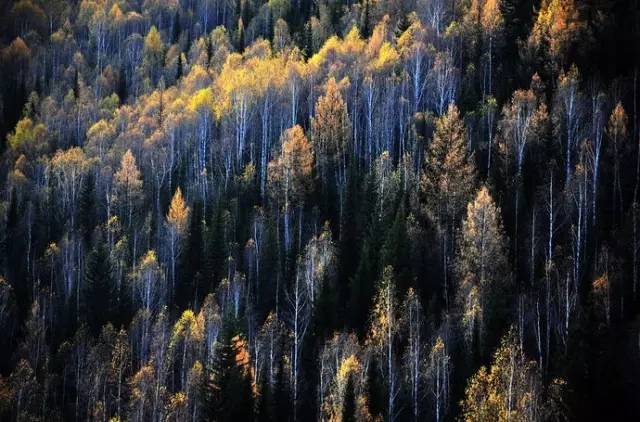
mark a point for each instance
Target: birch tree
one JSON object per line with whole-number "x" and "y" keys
{"x": 383, "y": 333}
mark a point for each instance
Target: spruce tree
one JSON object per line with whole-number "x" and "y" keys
{"x": 98, "y": 286}
{"x": 228, "y": 390}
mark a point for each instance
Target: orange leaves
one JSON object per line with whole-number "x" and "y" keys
{"x": 72, "y": 158}
{"x": 331, "y": 125}
{"x": 243, "y": 360}
{"x": 559, "y": 25}
{"x": 292, "y": 171}
{"x": 601, "y": 283}
{"x": 617, "y": 128}
{"x": 297, "y": 154}
{"x": 450, "y": 175}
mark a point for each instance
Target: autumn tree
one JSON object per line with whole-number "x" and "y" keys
{"x": 28, "y": 138}
{"x": 509, "y": 390}
{"x": 617, "y": 132}
{"x": 331, "y": 134}
{"x": 523, "y": 119}
{"x": 567, "y": 116}
{"x": 492, "y": 24}
{"x": 128, "y": 187}
{"x": 556, "y": 30}
{"x": 437, "y": 375}
{"x": 383, "y": 333}
{"x": 148, "y": 282}
{"x": 177, "y": 222}
{"x": 153, "y": 58}
{"x": 290, "y": 176}
{"x": 482, "y": 268}
{"x": 70, "y": 168}
{"x": 228, "y": 388}
{"x": 448, "y": 179}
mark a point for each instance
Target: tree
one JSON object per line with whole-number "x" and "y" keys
{"x": 443, "y": 79}
{"x": 449, "y": 177}
{"x": 153, "y": 58}
{"x": 99, "y": 288}
{"x": 437, "y": 374}
{"x": 383, "y": 332}
{"x": 185, "y": 344}
{"x": 331, "y": 133}
{"x": 414, "y": 358}
{"x": 28, "y": 138}
{"x": 522, "y": 120}
{"x": 177, "y": 225}
{"x": 567, "y": 116}
{"x": 290, "y": 176}
{"x": 492, "y": 24}
{"x": 510, "y": 390}
{"x": 70, "y": 168}
{"x": 617, "y": 132}
{"x": 148, "y": 282}
{"x": 228, "y": 389}
{"x": 482, "y": 268}
{"x": 448, "y": 180}
{"x": 128, "y": 187}
{"x": 299, "y": 318}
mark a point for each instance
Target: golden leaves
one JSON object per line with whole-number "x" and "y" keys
{"x": 178, "y": 215}
{"x": 507, "y": 391}
{"x": 128, "y": 175}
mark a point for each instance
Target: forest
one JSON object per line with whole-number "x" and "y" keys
{"x": 331, "y": 210}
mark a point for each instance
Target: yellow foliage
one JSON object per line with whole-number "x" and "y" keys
{"x": 27, "y": 135}
{"x": 149, "y": 260}
{"x": 491, "y": 17}
{"x": 128, "y": 175}
{"x": 153, "y": 41}
{"x": 508, "y": 391}
{"x": 387, "y": 56}
{"x": 189, "y": 326}
{"x": 178, "y": 214}
{"x": 348, "y": 366}
{"x": 558, "y": 24}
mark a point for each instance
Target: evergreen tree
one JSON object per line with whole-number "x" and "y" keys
{"x": 99, "y": 288}
{"x": 349, "y": 405}
{"x": 228, "y": 390}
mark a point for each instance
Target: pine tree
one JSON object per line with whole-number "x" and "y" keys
{"x": 228, "y": 390}
{"x": 99, "y": 288}
{"x": 349, "y": 404}
{"x": 87, "y": 212}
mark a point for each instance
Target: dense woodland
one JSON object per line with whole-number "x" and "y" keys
{"x": 384, "y": 210}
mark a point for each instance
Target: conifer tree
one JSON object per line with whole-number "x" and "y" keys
{"x": 99, "y": 288}
{"x": 228, "y": 390}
